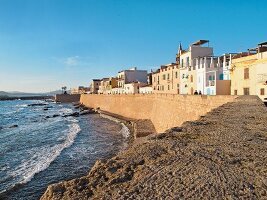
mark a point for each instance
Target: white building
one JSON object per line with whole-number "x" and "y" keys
{"x": 147, "y": 89}
{"x": 186, "y": 59}
{"x": 131, "y": 75}
{"x": 213, "y": 74}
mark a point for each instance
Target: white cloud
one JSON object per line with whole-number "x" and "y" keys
{"x": 72, "y": 61}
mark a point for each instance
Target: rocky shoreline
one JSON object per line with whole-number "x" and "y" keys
{"x": 223, "y": 155}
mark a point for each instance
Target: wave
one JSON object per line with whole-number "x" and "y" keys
{"x": 124, "y": 130}
{"x": 41, "y": 159}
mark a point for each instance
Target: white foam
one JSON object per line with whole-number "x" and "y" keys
{"x": 124, "y": 130}
{"x": 43, "y": 157}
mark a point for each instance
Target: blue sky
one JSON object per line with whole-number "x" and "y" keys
{"x": 46, "y": 44}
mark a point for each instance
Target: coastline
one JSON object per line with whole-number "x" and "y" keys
{"x": 181, "y": 161}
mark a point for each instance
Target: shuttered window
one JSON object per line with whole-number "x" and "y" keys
{"x": 246, "y": 73}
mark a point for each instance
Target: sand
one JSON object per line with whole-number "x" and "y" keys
{"x": 223, "y": 155}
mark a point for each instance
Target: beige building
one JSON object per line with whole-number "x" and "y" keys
{"x": 166, "y": 79}
{"x": 249, "y": 72}
{"x": 94, "y": 86}
{"x": 80, "y": 90}
{"x": 107, "y": 84}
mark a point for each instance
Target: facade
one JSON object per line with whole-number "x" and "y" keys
{"x": 107, "y": 84}
{"x": 131, "y": 75}
{"x": 147, "y": 89}
{"x": 129, "y": 80}
{"x": 133, "y": 88}
{"x": 80, "y": 90}
{"x": 212, "y": 74}
{"x": 94, "y": 86}
{"x": 249, "y": 72}
{"x": 166, "y": 79}
{"x": 187, "y": 60}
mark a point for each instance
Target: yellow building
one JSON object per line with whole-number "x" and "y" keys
{"x": 107, "y": 84}
{"x": 166, "y": 79}
{"x": 249, "y": 72}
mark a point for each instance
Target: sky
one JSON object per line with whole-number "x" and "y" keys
{"x": 47, "y": 44}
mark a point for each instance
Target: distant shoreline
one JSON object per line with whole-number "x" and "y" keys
{"x": 6, "y": 98}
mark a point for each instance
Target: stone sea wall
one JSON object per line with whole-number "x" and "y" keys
{"x": 67, "y": 98}
{"x": 164, "y": 110}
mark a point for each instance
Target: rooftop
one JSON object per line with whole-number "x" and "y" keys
{"x": 200, "y": 42}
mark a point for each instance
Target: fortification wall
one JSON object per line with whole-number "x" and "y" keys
{"x": 164, "y": 110}
{"x": 67, "y": 98}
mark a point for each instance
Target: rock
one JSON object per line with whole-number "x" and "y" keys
{"x": 75, "y": 114}
{"x": 86, "y": 112}
{"x": 45, "y": 109}
{"x": 55, "y": 115}
{"x": 37, "y": 104}
{"x": 14, "y": 126}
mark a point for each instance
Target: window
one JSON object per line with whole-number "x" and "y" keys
{"x": 235, "y": 92}
{"x": 262, "y": 91}
{"x": 154, "y": 79}
{"x": 176, "y": 74}
{"x": 246, "y": 73}
{"x": 164, "y": 77}
{"x": 168, "y": 76}
{"x": 162, "y": 87}
{"x": 168, "y": 87}
{"x": 191, "y": 78}
{"x": 221, "y": 76}
{"x": 187, "y": 61}
{"x": 246, "y": 91}
{"x": 182, "y": 62}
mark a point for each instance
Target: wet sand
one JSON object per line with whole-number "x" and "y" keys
{"x": 223, "y": 155}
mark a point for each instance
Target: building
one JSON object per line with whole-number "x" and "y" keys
{"x": 249, "y": 72}
{"x": 94, "y": 86}
{"x": 202, "y": 72}
{"x": 212, "y": 74}
{"x": 131, "y": 76}
{"x": 166, "y": 79}
{"x": 80, "y": 90}
{"x": 133, "y": 88}
{"x": 187, "y": 60}
{"x": 107, "y": 84}
{"x": 146, "y": 89}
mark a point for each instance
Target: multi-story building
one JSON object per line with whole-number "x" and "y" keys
{"x": 130, "y": 76}
{"x": 107, "y": 84}
{"x": 94, "y": 86}
{"x": 166, "y": 79}
{"x": 249, "y": 72}
{"x": 186, "y": 60}
{"x": 212, "y": 74}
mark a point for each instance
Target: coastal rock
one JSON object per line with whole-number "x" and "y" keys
{"x": 14, "y": 126}
{"x": 86, "y": 112}
{"x": 37, "y": 104}
{"x": 75, "y": 114}
{"x": 220, "y": 156}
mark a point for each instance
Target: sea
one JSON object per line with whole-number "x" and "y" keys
{"x": 39, "y": 146}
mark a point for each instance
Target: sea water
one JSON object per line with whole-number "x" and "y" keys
{"x": 37, "y": 149}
